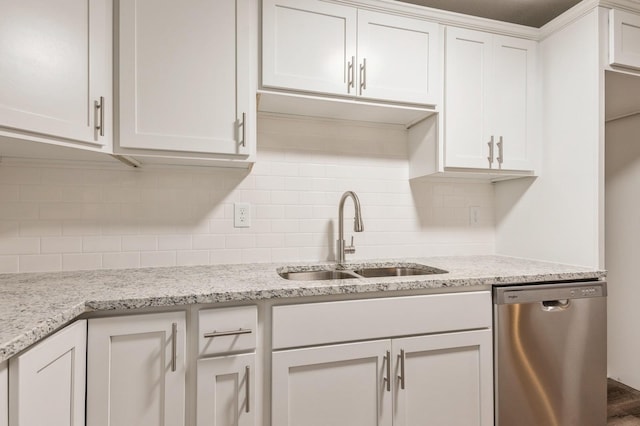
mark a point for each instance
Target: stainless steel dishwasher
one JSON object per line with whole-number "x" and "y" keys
{"x": 550, "y": 357}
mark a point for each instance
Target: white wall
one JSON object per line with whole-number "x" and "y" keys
{"x": 622, "y": 245}
{"x": 69, "y": 217}
{"x": 558, "y": 216}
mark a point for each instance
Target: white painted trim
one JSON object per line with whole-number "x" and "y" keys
{"x": 568, "y": 17}
{"x": 444, "y": 17}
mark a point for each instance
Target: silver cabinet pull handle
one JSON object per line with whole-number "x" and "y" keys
{"x": 363, "y": 75}
{"x": 174, "y": 345}
{"x": 99, "y": 120}
{"x": 401, "y": 376}
{"x": 500, "y": 152}
{"x": 387, "y": 379}
{"x": 243, "y": 140}
{"x": 490, "y": 157}
{"x": 351, "y": 76}
{"x": 247, "y": 374}
{"x": 227, "y": 333}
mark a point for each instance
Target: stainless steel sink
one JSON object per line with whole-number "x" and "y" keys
{"x": 398, "y": 271}
{"x": 318, "y": 275}
{"x": 357, "y": 271}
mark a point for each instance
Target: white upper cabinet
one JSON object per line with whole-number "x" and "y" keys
{"x": 489, "y": 114}
{"x": 309, "y": 45}
{"x": 186, "y": 77}
{"x": 328, "y": 48}
{"x": 55, "y": 78}
{"x": 397, "y": 58}
{"x": 47, "y": 382}
{"x": 624, "y": 39}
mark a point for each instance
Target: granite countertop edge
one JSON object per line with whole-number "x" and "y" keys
{"x": 31, "y": 308}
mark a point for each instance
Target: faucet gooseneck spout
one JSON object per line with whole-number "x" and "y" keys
{"x": 358, "y": 226}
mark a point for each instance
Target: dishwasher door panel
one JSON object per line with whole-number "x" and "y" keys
{"x": 550, "y": 363}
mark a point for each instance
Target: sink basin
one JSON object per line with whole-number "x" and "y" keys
{"x": 317, "y": 275}
{"x": 358, "y": 271}
{"x": 398, "y": 271}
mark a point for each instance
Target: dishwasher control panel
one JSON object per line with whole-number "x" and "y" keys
{"x": 549, "y": 292}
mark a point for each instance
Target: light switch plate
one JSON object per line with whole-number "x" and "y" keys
{"x": 241, "y": 215}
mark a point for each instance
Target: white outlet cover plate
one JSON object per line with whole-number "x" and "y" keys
{"x": 241, "y": 215}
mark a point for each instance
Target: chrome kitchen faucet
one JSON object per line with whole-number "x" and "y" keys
{"x": 342, "y": 248}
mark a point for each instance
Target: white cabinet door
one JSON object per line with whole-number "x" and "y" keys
{"x": 512, "y": 102}
{"x": 226, "y": 391}
{"x": 4, "y": 393}
{"x": 489, "y": 101}
{"x": 446, "y": 379}
{"x": 467, "y": 98}
{"x": 397, "y": 58}
{"x": 624, "y": 39}
{"x": 309, "y": 45}
{"x": 332, "y": 385}
{"x": 54, "y": 65}
{"x": 136, "y": 370}
{"x": 185, "y": 76}
{"x": 47, "y": 382}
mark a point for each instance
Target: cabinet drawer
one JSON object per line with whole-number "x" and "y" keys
{"x": 227, "y": 330}
{"x": 352, "y": 320}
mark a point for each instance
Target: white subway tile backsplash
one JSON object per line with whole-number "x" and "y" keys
{"x": 61, "y": 245}
{"x": 9, "y": 264}
{"x": 18, "y": 211}
{"x": 9, "y": 193}
{"x": 40, "y": 263}
{"x": 139, "y": 243}
{"x": 55, "y": 217}
{"x": 19, "y": 246}
{"x": 157, "y": 258}
{"x": 192, "y": 257}
{"x": 101, "y": 244}
{"x": 39, "y": 228}
{"x": 208, "y": 242}
{"x": 238, "y": 241}
{"x": 222, "y": 256}
{"x": 120, "y": 260}
{"x": 174, "y": 242}
{"x": 10, "y": 229}
{"x": 81, "y": 262}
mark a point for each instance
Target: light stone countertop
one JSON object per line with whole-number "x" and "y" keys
{"x": 32, "y": 305}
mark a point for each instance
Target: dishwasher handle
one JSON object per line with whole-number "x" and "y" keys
{"x": 555, "y": 305}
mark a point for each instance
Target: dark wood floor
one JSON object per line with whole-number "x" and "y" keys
{"x": 623, "y": 405}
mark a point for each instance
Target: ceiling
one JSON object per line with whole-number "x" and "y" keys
{"x": 534, "y": 13}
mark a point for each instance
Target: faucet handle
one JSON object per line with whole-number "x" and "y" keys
{"x": 350, "y": 248}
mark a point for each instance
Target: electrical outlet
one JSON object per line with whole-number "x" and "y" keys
{"x": 474, "y": 215}
{"x": 241, "y": 215}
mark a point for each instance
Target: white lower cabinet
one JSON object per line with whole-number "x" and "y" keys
{"x": 136, "y": 370}
{"x": 444, "y": 377}
{"x": 439, "y": 380}
{"x": 4, "y": 393}
{"x": 226, "y": 391}
{"x": 332, "y": 385}
{"x": 47, "y": 382}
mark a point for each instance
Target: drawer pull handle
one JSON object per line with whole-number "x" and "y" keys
{"x": 227, "y": 333}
